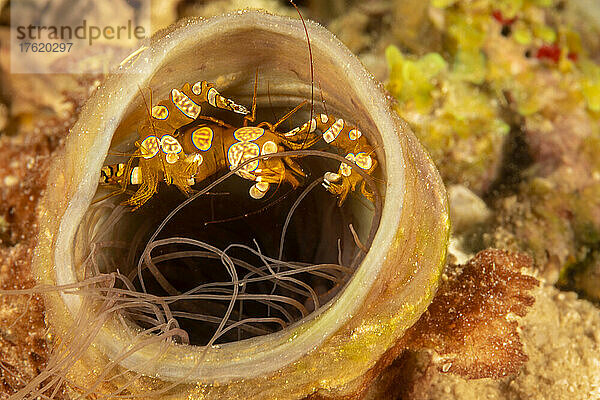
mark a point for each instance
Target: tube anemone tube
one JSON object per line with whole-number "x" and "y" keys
{"x": 334, "y": 350}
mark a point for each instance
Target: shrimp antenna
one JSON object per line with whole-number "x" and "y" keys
{"x": 312, "y": 71}
{"x": 253, "y": 117}
{"x": 282, "y": 119}
{"x": 147, "y": 107}
{"x": 322, "y": 98}
{"x": 148, "y": 112}
{"x": 289, "y": 114}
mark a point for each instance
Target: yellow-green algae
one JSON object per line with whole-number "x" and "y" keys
{"x": 454, "y": 118}
{"x": 464, "y": 96}
{"x": 591, "y": 85}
